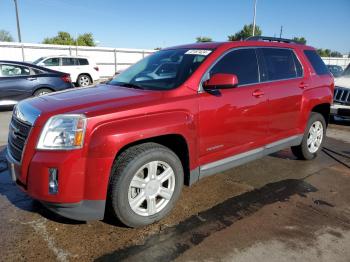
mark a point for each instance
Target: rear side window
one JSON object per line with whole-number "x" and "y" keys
{"x": 83, "y": 61}
{"x": 316, "y": 62}
{"x": 242, "y": 62}
{"x": 280, "y": 64}
{"x": 67, "y": 61}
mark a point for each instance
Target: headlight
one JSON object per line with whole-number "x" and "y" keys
{"x": 63, "y": 132}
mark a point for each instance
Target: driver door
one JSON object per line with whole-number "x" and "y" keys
{"x": 235, "y": 120}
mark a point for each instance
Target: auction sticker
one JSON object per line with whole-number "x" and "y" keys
{"x": 198, "y": 52}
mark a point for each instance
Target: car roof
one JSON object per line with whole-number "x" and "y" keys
{"x": 71, "y": 56}
{"x": 232, "y": 44}
{"x": 30, "y": 65}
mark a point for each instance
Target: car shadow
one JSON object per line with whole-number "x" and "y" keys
{"x": 21, "y": 200}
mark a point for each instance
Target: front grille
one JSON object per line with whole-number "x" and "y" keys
{"x": 18, "y": 135}
{"x": 342, "y": 95}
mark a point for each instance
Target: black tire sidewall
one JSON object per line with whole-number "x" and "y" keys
{"x": 119, "y": 195}
{"x": 304, "y": 148}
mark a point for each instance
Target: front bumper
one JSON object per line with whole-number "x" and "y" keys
{"x": 340, "y": 110}
{"x": 69, "y": 201}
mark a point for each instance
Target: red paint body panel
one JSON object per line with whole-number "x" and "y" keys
{"x": 214, "y": 127}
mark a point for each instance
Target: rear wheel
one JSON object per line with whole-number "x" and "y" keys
{"x": 84, "y": 80}
{"x": 146, "y": 182}
{"x": 42, "y": 91}
{"x": 313, "y": 138}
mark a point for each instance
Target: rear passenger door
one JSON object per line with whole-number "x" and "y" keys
{"x": 282, "y": 77}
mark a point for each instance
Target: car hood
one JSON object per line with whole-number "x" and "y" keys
{"x": 343, "y": 81}
{"x": 92, "y": 101}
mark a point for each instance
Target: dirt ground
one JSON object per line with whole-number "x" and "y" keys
{"x": 274, "y": 209}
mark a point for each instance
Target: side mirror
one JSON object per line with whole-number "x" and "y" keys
{"x": 221, "y": 81}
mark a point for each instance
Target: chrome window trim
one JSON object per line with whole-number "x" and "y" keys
{"x": 205, "y": 77}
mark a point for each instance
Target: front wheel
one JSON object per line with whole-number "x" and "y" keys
{"x": 313, "y": 138}
{"x": 146, "y": 182}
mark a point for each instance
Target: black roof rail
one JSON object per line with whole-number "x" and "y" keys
{"x": 272, "y": 39}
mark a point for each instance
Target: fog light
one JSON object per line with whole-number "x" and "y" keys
{"x": 53, "y": 181}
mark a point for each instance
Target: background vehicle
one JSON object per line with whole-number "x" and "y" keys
{"x": 335, "y": 70}
{"x": 341, "y": 106}
{"x": 133, "y": 143}
{"x": 83, "y": 70}
{"x": 22, "y": 80}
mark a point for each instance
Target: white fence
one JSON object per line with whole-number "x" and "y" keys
{"x": 340, "y": 61}
{"x": 109, "y": 60}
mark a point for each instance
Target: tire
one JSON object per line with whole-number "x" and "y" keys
{"x": 309, "y": 147}
{"x": 84, "y": 80}
{"x": 133, "y": 205}
{"x": 42, "y": 91}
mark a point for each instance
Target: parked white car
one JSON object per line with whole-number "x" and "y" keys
{"x": 83, "y": 71}
{"x": 341, "y": 101}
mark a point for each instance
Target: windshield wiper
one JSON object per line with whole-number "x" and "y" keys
{"x": 129, "y": 85}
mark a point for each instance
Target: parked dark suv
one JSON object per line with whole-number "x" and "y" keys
{"x": 134, "y": 142}
{"x": 22, "y": 80}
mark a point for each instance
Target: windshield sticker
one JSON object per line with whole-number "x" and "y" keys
{"x": 198, "y": 52}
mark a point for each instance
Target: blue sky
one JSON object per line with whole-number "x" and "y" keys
{"x": 160, "y": 23}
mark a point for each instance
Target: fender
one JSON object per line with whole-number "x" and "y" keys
{"x": 311, "y": 98}
{"x": 108, "y": 139}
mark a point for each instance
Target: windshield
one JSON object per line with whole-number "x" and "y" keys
{"x": 38, "y": 60}
{"x": 347, "y": 71}
{"x": 164, "y": 70}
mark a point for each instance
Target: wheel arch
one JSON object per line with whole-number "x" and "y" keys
{"x": 324, "y": 110}
{"x": 87, "y": 74}
{"x": 175, "y": 142}
{"x": 42, "y": 87}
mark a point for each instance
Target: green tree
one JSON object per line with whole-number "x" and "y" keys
{"x": 246, "y": 32}
{"x": 324, "y": 52}
{"x": 64, "y": 38}
{"x": 300, "y": 39}
{"x": 86, "y": 39}
{"x": 336, "y": 54}
{"x": 203, "y": 39}
{"x": 5, "y": 36}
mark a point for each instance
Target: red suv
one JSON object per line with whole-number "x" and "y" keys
{"x": 176, "y": 116}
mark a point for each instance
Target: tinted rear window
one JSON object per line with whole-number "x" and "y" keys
{"x": 83, "y": 61}
{"x": 67, "y": 61}
{"x": 316, "y": 62}
{"x": 280, "y": 64}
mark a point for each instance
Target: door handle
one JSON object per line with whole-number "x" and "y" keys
{"x": 258, "y": 93}
{"x": 31, "y": 78}
{"x": 303, "y": 85}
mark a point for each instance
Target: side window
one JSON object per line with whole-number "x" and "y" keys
{"x": 279, "y": 63}
{"x": 241, "y": 62}
{"x": 38, "y": 71}
{"x": 14, "y": 70}
{"x": 67, "y": 61}
{"x": 52, "y": 62}
{"x": 316, "y": 62}
{"x": 83, "y": 61}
